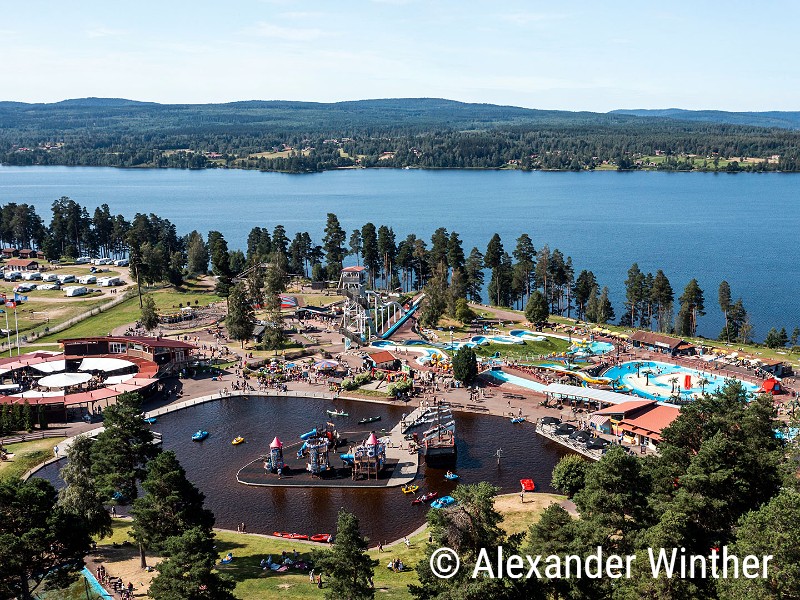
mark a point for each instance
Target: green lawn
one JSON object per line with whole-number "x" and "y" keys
{"x": 36, "y": 315}
{"x": 529, "y": 352}
{"x": 129, "y": 312}
{"x": 26, "y": 456}
{"x": 252, "y": 583}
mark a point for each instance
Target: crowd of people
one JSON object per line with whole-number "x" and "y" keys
{"x": 114, "y": 583}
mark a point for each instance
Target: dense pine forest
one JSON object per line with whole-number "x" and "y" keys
{"x": 417, "y": 133}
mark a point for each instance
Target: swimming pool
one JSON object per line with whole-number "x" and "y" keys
{"x": 483, "y": 340}
{"x": 427, "y": 351}
{"x": 582, "y": 348}
{"x": 527, "y": 335}
{"x": 659, "y": 380}
{"x": 514, "y": 380}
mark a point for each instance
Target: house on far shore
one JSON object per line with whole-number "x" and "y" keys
{"x": 639, "y": 422}
{"x": 22, "y": 264}
{"x": 10, "y": 252}
{"x": 657, "y": 342}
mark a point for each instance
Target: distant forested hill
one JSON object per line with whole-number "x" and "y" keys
{"x": 781, "y": 119}
{"x": 409, "y": 132}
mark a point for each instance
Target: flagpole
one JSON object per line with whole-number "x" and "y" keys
{"x": 8, "y": 333}
{"x": 16, "y": 326}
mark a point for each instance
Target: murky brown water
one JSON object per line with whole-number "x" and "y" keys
{"x": 385, "y": 514}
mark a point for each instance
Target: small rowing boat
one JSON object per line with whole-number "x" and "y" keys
{"x": 518, "y": 420}
{"x": 199, "y": 436}
{"x": 337, "y": 413}
{"x": 237, "y": 440}
{"x": 450, "y": 476}
{"x": 424, "y": 498}
{"x": 369, "y": 420}
{"x": 150, "y": 420}
{"x": 409, "y": 489}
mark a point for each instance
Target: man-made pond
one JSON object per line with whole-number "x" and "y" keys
{"x": 385, "y": 514}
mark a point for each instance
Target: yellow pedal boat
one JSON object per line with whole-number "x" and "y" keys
{"x": 237, "y": 441}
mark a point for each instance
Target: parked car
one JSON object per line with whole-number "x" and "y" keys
{"x": 12, "y": 275}
{"x": 25, "y": 287}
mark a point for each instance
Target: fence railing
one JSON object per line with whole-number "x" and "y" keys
{"x": 27, "y": 437}
{"x": 29, "y": 337}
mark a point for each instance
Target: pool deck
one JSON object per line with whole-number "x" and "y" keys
{"x": 403, "y": 466}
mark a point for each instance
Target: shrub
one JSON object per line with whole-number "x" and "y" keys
{"x": 398, "y": 387}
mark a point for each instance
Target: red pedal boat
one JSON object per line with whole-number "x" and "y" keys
{"x": 296, "y": 536}
{"x": 425, "y": 498}
{"x": 321, "y": 537}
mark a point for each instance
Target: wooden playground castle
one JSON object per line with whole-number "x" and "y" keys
{"x": 369, "y": 459}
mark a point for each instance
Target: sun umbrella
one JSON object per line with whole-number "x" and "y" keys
{"x": 326, "y": 364}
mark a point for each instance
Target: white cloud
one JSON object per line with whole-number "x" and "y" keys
{"x": 302, "y": 15}
{"x": 291, "y": 34}
{"x": 527, "y": 18}
{"x": 103, "y": 32}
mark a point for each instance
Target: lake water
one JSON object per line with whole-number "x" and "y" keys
{"x": 741, "y": 227}
{"x": 385, "y": 514}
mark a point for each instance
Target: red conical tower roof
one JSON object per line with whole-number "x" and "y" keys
{"x": 276, "y": 443}
{"x": 372, "y": 440}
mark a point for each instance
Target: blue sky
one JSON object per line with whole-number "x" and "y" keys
{"x": 561, "y": 55}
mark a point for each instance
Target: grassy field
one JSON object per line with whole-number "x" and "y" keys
{"x": 36, "y": 315}
{"x": 47, "y": 308}
{"x": 253, "y": 583}
{"x": 26, "y": 456}
{"x": 281, "y": 154}
{"x": 129, "y": 312}
{"x": 698, "y": 162}
{"x": 529, "y": 352}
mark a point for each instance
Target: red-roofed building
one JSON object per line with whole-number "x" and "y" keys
{"x": 383, "y": 359}
{"x": 657, "y": 342}
{"x": 22, "y": 264}
{"x": 353, "y": 278}
{"x": 28, "y": 253}
{"x": 639, "y": 422}
{"x": 169, "y": 355}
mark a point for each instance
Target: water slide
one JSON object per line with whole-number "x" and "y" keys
{"x": 582, "y": 376}
{"x": 389, "y": 332}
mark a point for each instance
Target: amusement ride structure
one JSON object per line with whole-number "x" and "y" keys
{"x": 366, "y": 315}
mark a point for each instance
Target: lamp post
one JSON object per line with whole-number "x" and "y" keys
{"x": 451, "y": 338}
